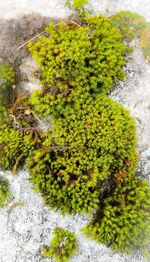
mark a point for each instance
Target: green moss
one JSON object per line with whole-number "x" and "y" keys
{"x": 18, "y": 134}
{"x": 133, "y": 25}
{"x": 6, "y": 83}
{"x": 77, "y": 4}
{"x": 63, "y": 245}
{"x": 15, "y": 147}
{"x": 11, "y": 146}
{"x": 123, "y": 219}
{"x": 90, "y": 142}
{"x": 88, "y": 57}
{"x": 4, "y": 193}
{"x": 7, "y": 75}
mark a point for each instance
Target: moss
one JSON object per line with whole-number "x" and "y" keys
{"x": 76, "y": 158}
{"x": 6, "y": 83}
{"x": 6, "y": 75}
{"x": 145, "y": 40}
{"x": 11, "y": 146}
{"x": 123, "y": 220}
{"x": 63, "y": 245}
{"x": 77, "y": 4}
{"x": 4, "y": 193}
{"x": 18, "y": 134}
{"x": 88, "y": 57}
{"x": 133, "y": 25}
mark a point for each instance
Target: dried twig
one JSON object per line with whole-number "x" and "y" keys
{"x": 17, "y": 163}
{"x": 75, "y": 23}
{"x": 24, "y": 44}
{"x": 16, "y": 123}
{"x": 59, "y": 147}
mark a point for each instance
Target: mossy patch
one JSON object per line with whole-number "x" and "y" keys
{"x": 4, "y": 193}
{"x": 63, "y": 245}
{"x": 84, "y": 58}
{"x": 18, "y": 134}
{"x": 123, "y": 220}
{"x": 132, "y": 26}
{"x": 91, "y": 142}
{"x": 7, "y": 79}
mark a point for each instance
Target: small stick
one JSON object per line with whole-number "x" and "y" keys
{"x": 75, "y": 23}
{"x": 30, "y": 40}
{"x": 16, "y": 123}
{"x": 17, "y": 163}
{"x": 60, "y": 147}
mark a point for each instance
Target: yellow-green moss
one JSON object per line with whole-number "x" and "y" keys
{"x": 89, "y": 142}
{"x": 132, "y": 26}
{"x": 18, "y": 134}
{"x": 4, "y": 193}
{"x": 63, "y": 245}
{"x": 123, "y": 219}
{"x": 84, "y": 58}
{"x": 6, "y": 83}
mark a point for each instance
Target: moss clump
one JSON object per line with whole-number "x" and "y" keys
{"x": 77, "y": 5}
{"x": 11, "y": 146}
{"x": 63, "y": 245}
{"x": 6, "y": 83}
{"x": 15, "y": 146}
{"x": 18, "y": 134}
{"x": 123, "y": 220}
{"x": 4, "y": 193}
{"x": 133, "y": 25}
{"x": 91, "y": 142}
{"x": 88, "y": 57}
{"x": 87, "y": 160}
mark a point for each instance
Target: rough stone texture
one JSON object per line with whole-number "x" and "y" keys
{"x": 15, "y": 31}
{"x": 134, "y": 93}
{"x": 112, "y": 6}
{"x": 23, "y": 230}
{"x": 56, "y": 8}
